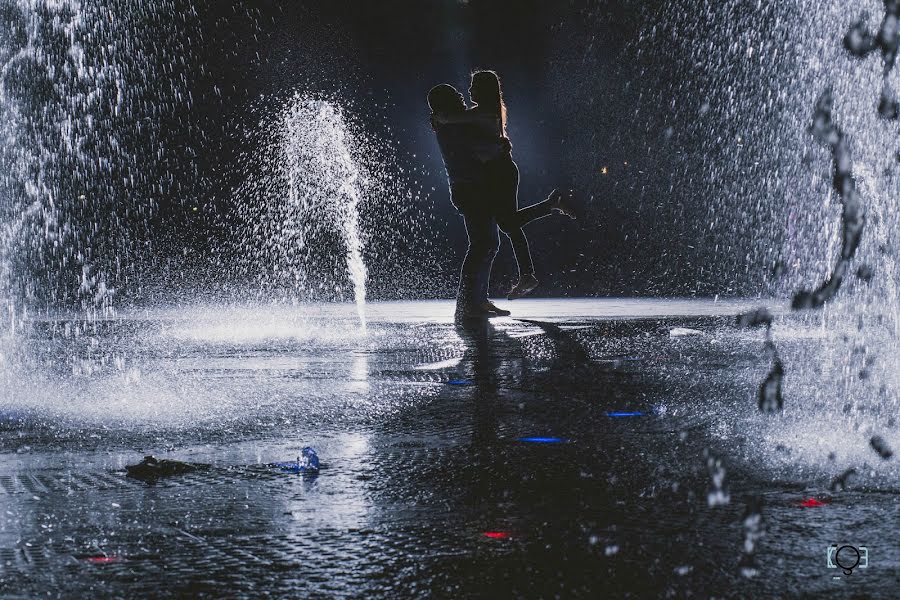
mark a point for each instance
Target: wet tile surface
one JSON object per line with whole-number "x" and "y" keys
{"x": 570, "y": 452}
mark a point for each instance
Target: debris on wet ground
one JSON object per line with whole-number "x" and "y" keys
{"x": 307, "y": 462}
{"x": 151, "y": 468}
{"x": 880, "y": 446}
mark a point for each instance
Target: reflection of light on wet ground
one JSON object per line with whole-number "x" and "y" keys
{"x": 344, "y": 457}
{"x": 359, "y": 373}
{"x": 256, "y": 324}
{"x": 443, "y": 364}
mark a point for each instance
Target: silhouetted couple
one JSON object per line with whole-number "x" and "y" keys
{"x": 484, "y": 183}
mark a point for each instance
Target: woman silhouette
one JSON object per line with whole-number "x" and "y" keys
{"x": 501, "y": 176}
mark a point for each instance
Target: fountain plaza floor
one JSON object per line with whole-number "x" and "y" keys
{"x": 582, "y": 448}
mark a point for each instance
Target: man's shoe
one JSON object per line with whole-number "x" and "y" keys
{"x": 495, "y": 309}
{"x": 526, "y": 284}
{"x": 485, "y": 310}
{"x": 475, "y": 313}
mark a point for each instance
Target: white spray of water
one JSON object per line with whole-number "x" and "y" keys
{"x": 324, "y": 183}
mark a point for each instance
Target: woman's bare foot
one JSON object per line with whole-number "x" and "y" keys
{"x": 527, "y": 283}
{"x": 560, "y": 202}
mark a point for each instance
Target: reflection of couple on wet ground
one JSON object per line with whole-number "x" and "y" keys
{"x": 484, "y": 184}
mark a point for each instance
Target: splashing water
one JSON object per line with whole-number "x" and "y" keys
{"x": 736, "y": 126}
{"x": 317, "y": 185}
{"x": 324, "y": 185}
{"x": 84, "y": 89}
{"x": 60, "y": 100}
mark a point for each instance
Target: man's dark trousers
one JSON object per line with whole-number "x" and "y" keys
{"x": 484, "y": 242}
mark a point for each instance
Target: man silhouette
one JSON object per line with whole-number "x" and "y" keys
{"x": 461, "y": 145}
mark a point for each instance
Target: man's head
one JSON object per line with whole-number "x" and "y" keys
{"x": 445, "y": 98}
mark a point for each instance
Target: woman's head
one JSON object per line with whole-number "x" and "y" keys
{"x": 486, "y": 93}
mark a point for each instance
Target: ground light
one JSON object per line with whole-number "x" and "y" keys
{"x": 812, "y": 503}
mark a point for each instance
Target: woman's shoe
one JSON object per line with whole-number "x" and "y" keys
{"x": 526, "y": 284}
{"x": 558, "y": 203}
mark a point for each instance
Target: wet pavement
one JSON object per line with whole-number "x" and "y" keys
{"x": 592, "y": 448}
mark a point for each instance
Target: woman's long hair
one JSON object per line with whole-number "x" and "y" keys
{"x": 486, "y": 86}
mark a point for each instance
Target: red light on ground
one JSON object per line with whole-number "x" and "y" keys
{"x": 102, "y": 560}
{"x": 812, "y": 503}
{"x": 496, "y": 535}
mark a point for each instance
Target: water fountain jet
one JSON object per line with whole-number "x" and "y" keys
{"x": 324, "y": 183}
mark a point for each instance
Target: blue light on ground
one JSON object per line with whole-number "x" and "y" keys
{"x": 542, "y": 440}
{"x": 625, "y": 414}
{"x": 460, "y": 382}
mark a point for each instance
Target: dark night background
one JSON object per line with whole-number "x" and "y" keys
{"x": 588, "y": 85}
